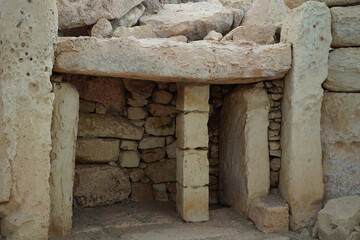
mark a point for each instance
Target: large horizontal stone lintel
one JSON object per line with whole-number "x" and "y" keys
{"x": 169, "y": 61}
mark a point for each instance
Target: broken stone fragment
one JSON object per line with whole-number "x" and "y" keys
{"x": 145, "y": 31}
{"x": 264, "y": 33}
{"x": 140, "y": 90}
{"x": 160, "y": 110}
{"x": 160, "y": 126}
{"x": 130, "y": 18}
{"x": 329, "y": 3}
{"x": 102, "y": 29}
{"x": 129, "y": 159}
{"x": 96, "y": 150}
{"x": 153, "y": 155}
{"x": 179, "y": 38}
{"x": 213, "y": 35}
{"x": 152, "y": 142}
{"x": 137, "y": 113}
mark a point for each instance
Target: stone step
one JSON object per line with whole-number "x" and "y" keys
{"x": 169, "y": 61}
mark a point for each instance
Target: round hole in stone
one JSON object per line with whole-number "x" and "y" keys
{"x": 23, "y": 44}
{"x": 314, "y": 26}
{"x": 46, "y": 69}
{"x": 321, "y": 38}
{"x": 31, "y": 59}
{"x": 12, "y": 50}
{"x": 29, "y": 1}
{"x": 21, "y": 60}
{"x": 26, "y": 53}
{"x": 28, "y": 74}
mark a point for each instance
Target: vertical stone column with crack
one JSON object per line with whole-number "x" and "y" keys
{"x": 28, "y": 31}
{"x": 301, "y": 177}
{"x": 192, "y": 168}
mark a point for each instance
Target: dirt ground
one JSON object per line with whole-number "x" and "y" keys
{"x": 159, "y": 221}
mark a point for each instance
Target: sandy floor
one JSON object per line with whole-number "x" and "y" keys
{"x": 159, "y": 221}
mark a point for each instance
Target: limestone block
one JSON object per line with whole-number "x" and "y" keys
{"x": 213, "y": 35}
{"x": 193, "y": 98}
{"x": 264, "y": 33}
{"x": 171, "y": 150}
{"x": 160, "y": 110}
{"x": 128, "y": 145}
{"x": 87, "y": 12}
{"x": 153, "y": 155}
{"x": 62, "y": 157}
{"x": 141, "y": 192}
{"x": 340, "y": 138}
{"x": 140, "y": 90}
{"x": 239, "y": 4}
{"x": 192, "y": 168}
{"x": 162, "y": 97}
{"x": 99, "y": 125}
{"x": 192, "y": 130}
{"x": 244, "y": 149}
{"x": 344, "y": 70}
{"x": 163, "y": 171}
{"x": 178, "y": 38}
{"x": 160, "y": 192}
{"x": 211, "y": 62}
{"x": 194, "y": 20}
{"x": 137, "y": 113}
{"x": 28, "y": 31}
{"x": 159, "y": 126}
{"x": 329, "y": 3}
{"x": 102, "y": 29}
{"x": 270, "y": 214}
{"x": 129, "y": 159}
{"x": 145, "y": 31}
{"x": 301, "y": 176}
{"x": 97, "y": 150}
{"x": 130, "y": 18}
{"x": 339, "y": 217}
{"x": 192, "y": 203}
{"x": 152, "y": 142}
{"x": 98, "y": 185}
{"x": 345, "y": 27}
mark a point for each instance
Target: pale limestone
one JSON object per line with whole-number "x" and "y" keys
{"x": 96, "y": 150}
{"x": 102, "y": 29}
{"x": 63, "y": 134}
{"x": 137, "y": 113}
{"x": 179, "y": 38}
{"x": 344, "y": 70}
{"x": 129, "y": 159}
{"x": 244, "y": 148}
{"x": 264, "y": 33}
{"x": 130, "y": 18}
{"x": 329, "y": 3}
{"x": 211, "y": 62}
{"x": 213, "y": 35}
{"x": 239, "y": 4}
{"x": 160, "y": 126}
{"x": 152, "y": 142}
{"x": 163, "y": 171}
{"x": 193, "y": 98}
{"x": 128, "y": 145}
{"x": 301, "y": 177}
{"x": 145, "y": 31}
{"x": 192, "y": 130}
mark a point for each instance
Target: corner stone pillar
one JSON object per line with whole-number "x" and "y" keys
{"x": 301, "y": 177}
{"x": 28, "y": 31}
{"x": 192, "y": 168}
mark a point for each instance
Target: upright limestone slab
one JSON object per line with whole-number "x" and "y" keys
{"x": 63, "y": 132}
{"x": 28, "y": 33}
{"x": 244, "y": 154}
{"x": 301, "y": 176}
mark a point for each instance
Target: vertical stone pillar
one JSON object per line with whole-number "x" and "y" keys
{"x": 28, "y": 31}
{"x": 301, "y": 177}
{"x": 192, "y": 168}
{"x": 63, "y": 133}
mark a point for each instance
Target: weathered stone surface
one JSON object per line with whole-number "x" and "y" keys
{"x": 163, "y": 171}
{"x": 98, "y": 185}
{"x": 329, "y": 3}
{"x": 152, "y": 142}
{"x": 275, "y": 164}
{"x": 193, "y": 98}
{"x": 86, "y": 106}
{"x": 107, "y": 91}
{"x": 108, "y": 126}
{"x": 159, "y": 126}
{"x": 26, "y": 113}
{"x": 301, "y": 176}
{"x": 344, "y": 70}
{"x": 63, "y": 134}
{"x": 192, "y": 130}
{"x": 237, "y": 4}
{"x": 140, "y": 90}
{"x": 171, "y": 150}
{"x": 340, "y": 138}
{"x": 238, "y": 17}
{"x": 345, "y": 27}
{"x": 86, "y": 12}
{"x": 178, "y": 38}
{"x": 160, "y": 110}
{"x": 162, "y": 97}
{"x": 137, "y": 113}
{"x": 264, "y": 33}
{"x": 270, "y": 214}
{"x": 271, "y": 11}
{"x": 165, "y": 60}
{"x": 128, "y": 145}
{"x": 192, "y": 203}
{"x": 102, "y": 29}
{"x": 130, "y": 18}
{"x": 153, "y": 155}
{"x": 152, "y": 6}
{"x": 129, "y": 159}
{"x": 141, "y": 192}
{"x": 136, "y": 174}
{"x": 138, "y": 32}
{"x": 194, "y": 20}
{"x": 244, "y": 147}
{"x": 97, "y": 150}
{"x": 160, "y": 192}
{"x": 213, "y": 35}
{"x": 339, "y": 217}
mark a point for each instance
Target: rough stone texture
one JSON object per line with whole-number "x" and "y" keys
{"x": 102, "y": 29}
{"x": 178, "y": 38}
{"x": 137, "y": 113}
{"x": 345, "y": 27}
{"x": 270, "y": 214}
{"x": 213, "y": 35}
{"x": 140, "y": 90}
{"x": 159, "y": 126}
{"x": 344, "y": 70}
{"x": 145, "y": 31}
{"x": 86, "y": 12}
{"x": 162, "y": 97}
{"x": 141, "y": 192}
{"x": 130, "y": 18}
{"x": 237, "y": 4}
{"x": 194, "y": 20}
{"x": 28, "y": 31}
{"x": 340, "y": 137}
{"x": 264, "y": 33}
{"x": 63, "y": 135}
{"x": 160, "y": 110}
{"x": 169, "y": 61}
{"x": 301, "y": 184}
{"x": 271, "y": 11}
{"x": 97, "y": 150}
{"x": 191, "y": 130}
{"x": 99, "y": 125}
{"x": 193, "y": 98}
{"x": 98, "y": 185}
{"x": 339, "y": 217}
{"x": 128, "y": 145}
{"x": 160, "y": 192}
{"x": 163, "y": 171}
{"x": 129, "y": 159}
{"x": 152, "y": 142}
{"x": 153, "y": 155}
{"x": 244, "y": 148}
{"x": 329, "y": 3}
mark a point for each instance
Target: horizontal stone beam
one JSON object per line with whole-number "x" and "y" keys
{"x": 169, "y": 61}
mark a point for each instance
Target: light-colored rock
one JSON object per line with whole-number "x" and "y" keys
{"x": 160, "y": 110}
{"x": 194, "y": 20}
{"x": 98, "y": 125}
{"x": 178, "y": 38}
{"x": 160, "y": 192}
{"x": 137, "y": 113}
{"x": 339, "y": 217}
{"x": 160, "y": 126}
{"x": 270, "y": 214}
{"x": 329, "y": 3}
{"x": 26, "y": 111}
{"x": 152, "y": 142}
{"x": 140, "y": 90}
{"x": 192, "y": 130}
{"x": 213, "y": 35}
{"x": 129, "y": 159}
{"x": 301, "y": 177}
{"x": 344, "y": 70}
{"x": 345, "y": 27}
{"x": 63, "y": 134}
{"x": 193, "y": 98}
{"x": 271, "y": 11}
{"x": 244, "y": 148}
{"x": 138, "y": 32}
{"x": 153, "y": 155}
{"x": 238, "y": 17}
{"x": 97, "y": 150}
{"x": 240, "y": 4}
{"x": 163, "y": 171}
{"x": 152, "y": 6}
{"x": 102, "y": 29}
{"x": 86, "y": 12}
{"x": 130, "y": 18}
{"x": 98, "y": 185}
{"x": 354, "y": 236}
{"x": 211, "y": 62}
{"x": 264, "y": 33}
{"x": 128, "y": 145}
{"x": 340, "y": 138}
{"x": 186, "y": 197}
{"x": 141, "y": 192}
{"x": 162, "y": 97}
